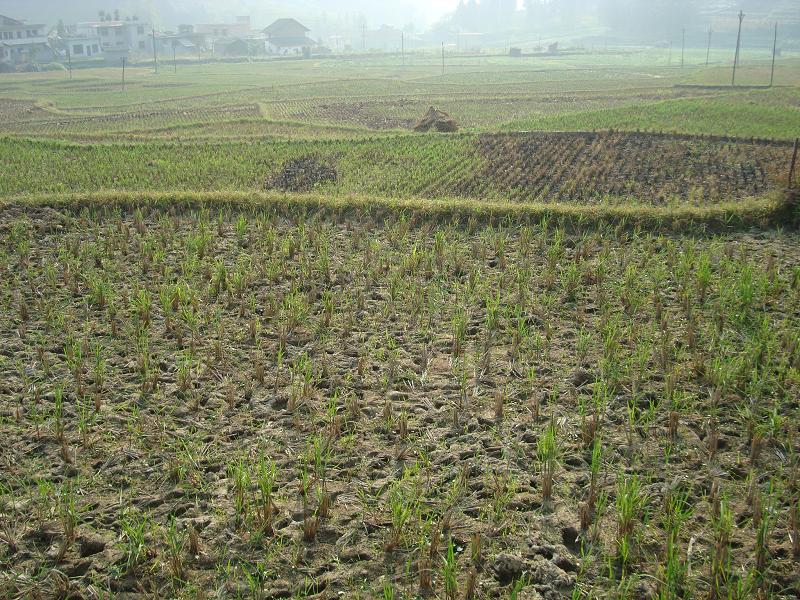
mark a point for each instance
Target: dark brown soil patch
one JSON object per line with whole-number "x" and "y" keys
{"x": 590, "y": 167}
{"x": 302, "y": 175}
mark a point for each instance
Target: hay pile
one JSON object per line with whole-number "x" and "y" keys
{"x": 438, "y": 120}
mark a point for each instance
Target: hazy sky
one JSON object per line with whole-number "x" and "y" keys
{"x": 433, "y": 9}
{"x": 397, "y": 11}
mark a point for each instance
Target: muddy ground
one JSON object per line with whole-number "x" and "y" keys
{"x": 400, "y": 376}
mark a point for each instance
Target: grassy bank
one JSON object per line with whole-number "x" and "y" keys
{"x": 767, "y": 212}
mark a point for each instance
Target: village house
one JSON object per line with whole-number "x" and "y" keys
{"x": 77, "y": 47}
{"x": 69, "y": 45}
{"x": 22, "y": 42}
{"x": 119, "y": 37}
{"x": 241, "y": 47}
{"x": 288, "y": 36}
{"x": 177, "y": 44}
{"x": 84, "y": 46}
{"x": 214, "y": 32}
{"x": 385, "y": 38}
{"x": 240, "y": 28}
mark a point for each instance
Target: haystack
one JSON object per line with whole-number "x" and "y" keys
{"x": 437, "y": 120}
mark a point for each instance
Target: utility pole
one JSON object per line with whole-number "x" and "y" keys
{"x": 123, "y": 73}
{"x": 669, "y": 59}
{"x": 155, "y": 54}
{"x": 683, "y": 46}
{"x": 442, "y": 58}
{"x": 403, "y": 46}
{"x": 738, "y": 45}
{"x": 69, "y": 60}
{"x": 708, "y": 52}
{"x": 174, "y": 58}
{"x": 774, "y": 52}
{"x": 364, "y": 37}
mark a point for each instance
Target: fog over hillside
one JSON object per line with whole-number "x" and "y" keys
{"x": 637, "y": 21}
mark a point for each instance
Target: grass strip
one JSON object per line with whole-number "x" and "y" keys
{"x": 774, "y": 210}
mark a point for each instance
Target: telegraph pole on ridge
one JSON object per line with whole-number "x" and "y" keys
{"x": 774, "y": 52}
{"x": 708, "y": 52}
{"x": 738, "y": 45}
{"x": 155, "y": 55}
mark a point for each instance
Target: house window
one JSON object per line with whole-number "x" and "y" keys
{"x": 19, "y": 35}
{"x": 95, "y": 49}
{"x": 141, "y": 45}
{"x": 77, "y": 48}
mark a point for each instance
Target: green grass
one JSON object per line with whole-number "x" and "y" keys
{"x": 532, "y": 168}
{"x": 597, "y": 88}
{"x": 392, "y": 167}
{"x": 753, "y": 114}
{"x": 232, "y": 127}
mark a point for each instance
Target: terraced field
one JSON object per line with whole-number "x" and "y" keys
{"x": 572, "y": 168}
{"x": 259, "y": 340}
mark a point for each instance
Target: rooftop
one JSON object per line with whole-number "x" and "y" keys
{"x": 24, "y": 41}
{"x": 282, "y": 24}
{"x": 109, "y": 23}
{"x": 9, "y": 22}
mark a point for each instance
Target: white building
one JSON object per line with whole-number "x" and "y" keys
{"x": 22, "y": 42}
{"x": 119, "y": 36}
{"x": 215, "y": 31}
{"x": 81, "y": 46}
